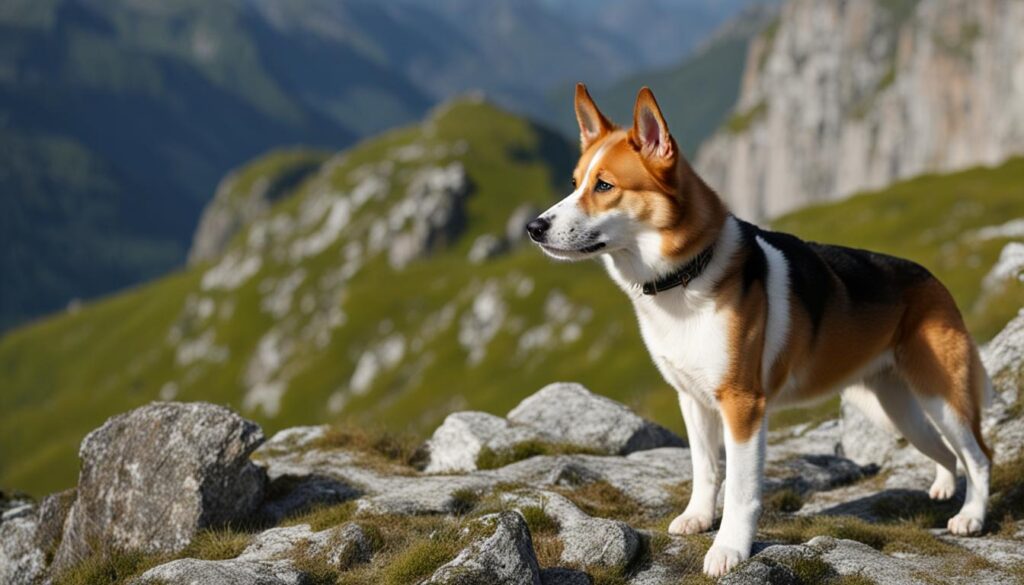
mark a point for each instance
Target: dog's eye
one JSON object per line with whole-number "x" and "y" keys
{"x": 574, "y": 182}
{"x": 602, "y": 186}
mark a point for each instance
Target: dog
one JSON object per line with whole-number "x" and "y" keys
{"x": 739, "y": 319}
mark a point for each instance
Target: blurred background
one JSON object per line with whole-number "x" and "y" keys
{"x": 312, "y": 210}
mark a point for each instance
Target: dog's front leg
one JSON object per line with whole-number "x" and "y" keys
{"x": 704, "y": 432}
{"x": 745, "y": 437}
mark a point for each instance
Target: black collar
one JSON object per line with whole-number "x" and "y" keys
{"x": 684, "y": 275}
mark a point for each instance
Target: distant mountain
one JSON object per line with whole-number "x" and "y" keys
{"x": 389, "y": 283}
{"x": 844, "y": 96}
{"x": 695, "y": 94}
{"x": 118, "y": 117}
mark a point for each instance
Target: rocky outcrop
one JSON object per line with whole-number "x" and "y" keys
{"x": 246, "y": 194}
{"x": 340, "y": 547}
{"x": 225, "y": 572}
{"x": 840, "y": 97}
{"x": 505, "y": 556}
{"x": 153, "y": 477}
{"x": 567, "y": 415}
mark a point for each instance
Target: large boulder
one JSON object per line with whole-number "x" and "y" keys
{"x": 153, "y": 477}
{"x": 504, "y": 557}
{"x": 572, "y": 414}
{"x": 22, "y": 561}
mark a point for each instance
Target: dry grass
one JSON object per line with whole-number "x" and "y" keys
{"x": 216, "y": 545}
{"x": 602, "y": 499}
{"x": 900, "y": 537}
{"x": 379, "y": 447}
{"x": 323, "y": 517}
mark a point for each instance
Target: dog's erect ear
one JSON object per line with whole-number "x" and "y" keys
{"x": 593, "y": 124}
{"x": 650, "y": 132}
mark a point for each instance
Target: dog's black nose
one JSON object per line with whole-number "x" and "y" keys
{"x": 537, "y": 228}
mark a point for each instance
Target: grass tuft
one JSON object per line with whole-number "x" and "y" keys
{"x": 493, "y": 459}
{"x": 217, "y": 545}
{"x": 378, "y": 444}
{"x": 602, "y": 499}
{"x": 323, "y": 517}
{"x": 113, "y": 568}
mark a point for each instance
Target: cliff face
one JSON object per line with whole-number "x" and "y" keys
{"x": 840, "y": 96}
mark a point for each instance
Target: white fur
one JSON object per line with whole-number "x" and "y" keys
{"x": 704, "y": 431}
{"x": 778, "y": 322}
{"x": 744, "y": 477}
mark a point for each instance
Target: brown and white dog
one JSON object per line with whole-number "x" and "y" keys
{"x": 739, "y": 319}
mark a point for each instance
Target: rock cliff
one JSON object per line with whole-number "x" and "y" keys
{"x": 839, "y": 97}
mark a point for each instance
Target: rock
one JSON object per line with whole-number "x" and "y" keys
{"x": 153, "y": 477}
{"x": 504, "y": 558}
{"x": 229, "y": 572}
{"x": 863, "y": 441}
{"x": 53, "y": 512}
{"x": 652, "y": 478}
{"x": 485, "y": 247}
{"x": 239, "y": 200}
{"x": 559, "y": 576}
{"x": 586, "y": 541}
{"x": 779, "y": 564}
{"x": 457, "y": 443}
{"x": 340, "y": 547}
{"x": 1004, "y": 357}
{"x": 572, "y": 414}
{"x": 22, "y": 561}
{"x": 807, "y": 130}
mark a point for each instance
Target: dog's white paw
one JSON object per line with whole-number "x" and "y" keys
{"x": 722, "y": 559}
{"x": 944, "y": 486}
{"x": 685, "y": 524}
{"x": 964, "y": 525}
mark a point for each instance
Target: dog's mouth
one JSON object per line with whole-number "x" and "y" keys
{"x": 572, "y": 253}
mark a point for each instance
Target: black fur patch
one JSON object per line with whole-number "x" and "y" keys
{"x": 809, "y": 274}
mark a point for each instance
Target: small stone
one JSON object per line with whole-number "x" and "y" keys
{"x": 340, "y": 546}
{"x": 504, "y": 558}
{"x": 457, "y": 443}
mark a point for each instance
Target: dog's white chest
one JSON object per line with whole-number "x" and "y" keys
{"x": 688, "y": 340}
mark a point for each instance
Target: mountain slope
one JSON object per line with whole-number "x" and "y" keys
{"x": 845, "y": 96}
{"x": 351, "y": 297}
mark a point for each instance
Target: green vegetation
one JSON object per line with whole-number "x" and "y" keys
{"x": 490, "y": 459}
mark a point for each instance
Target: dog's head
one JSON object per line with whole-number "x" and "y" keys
{"x": 632, "y": 192}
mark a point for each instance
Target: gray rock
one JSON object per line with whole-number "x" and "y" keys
{"x": 504, "y": 558}
{"x": 573, "y": 414}
{"x": 340, "y": 546}
{"x": 586, "y": 541}
{"x": 863, "y": 441}
{"x": 22, "y": 561}
{"x": 1004, "y": 357}
{"x": 561, "y": 576}
{"x": 153, "y": 477}
{"x": 53, "y": 512}
{"x": 229, "y": 572}
{"x": 457, "y": 443}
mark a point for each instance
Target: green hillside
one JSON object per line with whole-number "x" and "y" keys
{"x": 318, "y": 311}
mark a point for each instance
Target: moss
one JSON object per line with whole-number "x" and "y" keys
{"x": 784, "y": 501}
{"x": 419, "y": 561}
{"x": 741, "y": 121}
{"x": 490, "y": 459}
{"x": 811, "y": 569}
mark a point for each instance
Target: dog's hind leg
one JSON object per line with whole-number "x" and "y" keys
{"x": 887, "y": 399}
{"x": 704, "y": 432}
{"x": 938, "y": 358}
